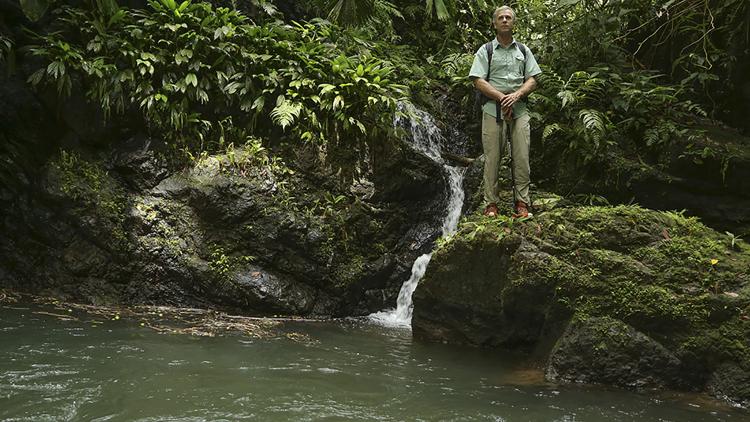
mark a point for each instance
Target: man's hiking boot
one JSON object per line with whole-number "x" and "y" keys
{"x": 491, "y": 210}
{"x": 522, "y": 210}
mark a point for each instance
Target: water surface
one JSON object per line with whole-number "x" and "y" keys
{"x": 91, "y": 368}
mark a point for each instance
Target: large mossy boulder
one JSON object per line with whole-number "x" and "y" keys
{"x": 615, "y": 295}
{"x": 239, "y": 231}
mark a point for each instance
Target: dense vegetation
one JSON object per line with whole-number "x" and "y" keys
{"x": 625, "y": 77}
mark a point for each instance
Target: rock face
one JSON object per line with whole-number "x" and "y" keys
{"x": 122, "y": 229}
{"x": 615, "y": 295}
{"x": 606, "y": 350}
{"x": 92, "y": 214}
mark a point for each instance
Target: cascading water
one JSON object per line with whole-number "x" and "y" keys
{"x": 426, "y": 138}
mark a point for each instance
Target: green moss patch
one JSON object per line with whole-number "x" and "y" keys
{"x": 667, "y": 275}
{"x": 88, "y": 186}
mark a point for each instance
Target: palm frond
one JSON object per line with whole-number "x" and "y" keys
{"x": 351, "y": 12}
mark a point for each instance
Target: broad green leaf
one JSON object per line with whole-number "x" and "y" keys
{"x": 34, "y": 9}
{"x": 338, "y": 101}
{"x": 258, "y": 103}
{"x": 326, "y": 88}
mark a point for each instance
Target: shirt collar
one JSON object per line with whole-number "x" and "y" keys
{"x": 496, "y": 43}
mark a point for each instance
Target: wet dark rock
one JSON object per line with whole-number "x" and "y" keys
{"x": 274, "y": 293}
{"x": 732, "y": 383}
{"x": 137, "y": 164}
{"x": 121, "y": 229}
{"x": 613, "y": 295}
{"x": 605, "y": 350}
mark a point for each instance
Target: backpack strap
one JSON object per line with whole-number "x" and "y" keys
{"x": 523, "y": 50}
{"x": 489, "y": 49}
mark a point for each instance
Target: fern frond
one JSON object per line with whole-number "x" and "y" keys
{"x": 550, "y": 129}
{"x": 594, "y": 89}
{"x": 351, "y": 12}
{"x": 285, "y": 113}
{"x": 693, "y": 108}
{"x": 386, "y": 8}
{"x": 455, "y": 64}
{"x": 577, "y": 79}
{"x": 567, "y": 97}
{"x": 652, "y": 136}
{"x": 268, "y": 7}
{"x": 594, "y": 121}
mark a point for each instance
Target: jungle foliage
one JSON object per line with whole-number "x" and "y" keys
{"x": 204, "y": 78}
{"x": 632, "y": 75}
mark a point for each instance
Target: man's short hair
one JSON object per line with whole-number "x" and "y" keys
{"x": 503, "y": 8}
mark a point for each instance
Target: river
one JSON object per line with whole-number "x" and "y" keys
{"x": 68, "y": 365}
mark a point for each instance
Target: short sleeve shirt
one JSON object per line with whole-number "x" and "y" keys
{"x": 509, "y": 71}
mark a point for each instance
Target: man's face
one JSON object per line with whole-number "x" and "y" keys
{"x": 503, "y": 22}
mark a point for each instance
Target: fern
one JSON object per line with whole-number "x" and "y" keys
{"x": 266, "y": 6}
{"x": 384, "y": 9}
{"x": 550, "y": 129}
{"x": 285, "y": 113}
{"x": 652, "y": 136}
{"x": 692, "y": 108}
{"x": 351, "y": 12}
{"x": 6, "y": 45}
{"x": 594, "y": 122}
{"x": 594, "y": 89}
{"x": 567, "y": 97}
{"x": 457, "y": 64}
{"x": 577, "y": 79}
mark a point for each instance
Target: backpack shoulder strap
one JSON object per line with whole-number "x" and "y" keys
{"x": 488, "y": 47}
{"x": 522, "y": 48}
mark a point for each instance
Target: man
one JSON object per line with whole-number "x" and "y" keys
{"x": 511, "y": 79}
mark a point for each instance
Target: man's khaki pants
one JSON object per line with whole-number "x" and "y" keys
{"x": 494, "y": 145}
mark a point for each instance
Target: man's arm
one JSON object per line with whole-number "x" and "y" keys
{"x": 488, "y": 90}
{"x": 527, "y": 88}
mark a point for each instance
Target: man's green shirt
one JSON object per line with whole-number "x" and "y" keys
{"x": 508, "y": 72}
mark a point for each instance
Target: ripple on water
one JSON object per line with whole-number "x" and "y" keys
{"x": 345, "y": 371}
{"x": 35, "y": 373}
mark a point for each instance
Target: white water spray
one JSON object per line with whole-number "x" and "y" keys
{"x": 426, "y": 138}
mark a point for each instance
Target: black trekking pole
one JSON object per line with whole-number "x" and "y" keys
{"x": 509, "y": 145}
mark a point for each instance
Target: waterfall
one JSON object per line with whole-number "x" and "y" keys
{"x": 426, "y": 138}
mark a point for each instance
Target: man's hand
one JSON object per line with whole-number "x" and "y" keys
{"x": 508, "y": 113}
{"x": 510, "y": 99}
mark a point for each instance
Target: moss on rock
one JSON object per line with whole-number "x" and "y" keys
{"x": 662, "y": 275}
{"x": 96, "y": 197}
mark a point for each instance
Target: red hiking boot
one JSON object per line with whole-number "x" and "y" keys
{"x": 491, "y": 210}
{"x": 522, "y": 210}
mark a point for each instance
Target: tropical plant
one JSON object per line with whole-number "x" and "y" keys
{"x": 596, "y": 109}
{"x": 6, "y": 46}
{"x": 186, "y": 67}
